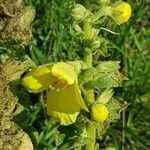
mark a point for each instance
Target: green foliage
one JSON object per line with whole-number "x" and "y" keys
{"x": 86, "y": 75}
{"x": 104, "y": 75}
{"x": 115, "y": 108}
{"x": 52, "y": 41}
{"x": 105, "y": 96}
{"x": 105, "y": 80}
{"x": 51, "y": 30}
{"x": 108, "y": 66}
{"x": 131, "y": 46}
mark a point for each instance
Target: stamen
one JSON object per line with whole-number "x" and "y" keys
{"x": 53, "y": 88}
{"x": 58, "y": 90}
{"x": 58, "y": 85}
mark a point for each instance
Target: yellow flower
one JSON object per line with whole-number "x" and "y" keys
{"x": 122, "y": 12}
{"x": 64, "y": 100}
{"x": 99, "y": 113}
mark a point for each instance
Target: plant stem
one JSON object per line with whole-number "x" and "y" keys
{"x": 91, "y": 133}
{"x": 87, "y": 28}
{"x": 88, "y": 57}
{"x": 89, "y": 95}
{"x": 104, "y": 11}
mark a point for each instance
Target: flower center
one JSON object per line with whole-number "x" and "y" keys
{"x": 58, "y": 85}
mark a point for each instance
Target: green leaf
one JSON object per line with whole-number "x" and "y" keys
{"x": 107, "y": 66}
{"x": 104, "y": 76}
{"x": 103, "y": 48}
{"x": 101, "y": 129}
{"x": 114, "y": 108}
{"x": 86, "y": 75}
{"x": 105, "y": 80}
{"x": 105, "y": 96}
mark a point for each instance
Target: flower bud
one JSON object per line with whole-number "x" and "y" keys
{"x": 90, "y": 34}
{"x": 99, "y": 113}
{"x": 78, "y": 12}
{"x": 96, "y": 43}
{"x": 76, "y": 27}
{"x": 121, "y": 12}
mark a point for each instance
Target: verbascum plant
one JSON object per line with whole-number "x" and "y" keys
{"x": 100, "y": 76}
{"x": 88, "y": 86}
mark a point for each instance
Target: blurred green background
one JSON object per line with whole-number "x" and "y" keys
{"x": 52, "y": 41}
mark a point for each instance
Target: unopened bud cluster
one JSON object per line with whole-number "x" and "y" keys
{"x": 83, "y": 26}
{"x": 79, "y": 12}
{"x": 84, "y": 20}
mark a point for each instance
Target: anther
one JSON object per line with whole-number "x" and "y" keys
{"x": 53, "y": 88}
{"x": 50, "y": 86}
{"x": 58, "y": 90}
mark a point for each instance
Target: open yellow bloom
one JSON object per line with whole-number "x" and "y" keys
{"x": 99, "y": 113}
{"x": 64, "y": 100}
{"x": 122, "y": 12}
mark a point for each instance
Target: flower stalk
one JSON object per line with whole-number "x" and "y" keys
{"x": 104, "y": 11}
{"x": 89, "y": 94}
{"x": 91, "y": 133}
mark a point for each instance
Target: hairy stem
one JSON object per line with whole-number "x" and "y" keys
{"x": 89, "y": 95}
{"x": 104, "y": 11}
{"x": 91, "y": 132}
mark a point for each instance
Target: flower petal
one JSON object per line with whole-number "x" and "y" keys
{"x": 65, "y": 119}
{"x": 38, "y": 79}
{"x": 123, "y": 11}
{"x": 66, "y": 104}
{"x": 65, "y": 72}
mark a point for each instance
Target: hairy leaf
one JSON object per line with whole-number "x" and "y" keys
{"x": 105, "y": 96}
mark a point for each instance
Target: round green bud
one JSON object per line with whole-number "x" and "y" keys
{"x": 78, "y": 12}
{"x": 95, "y": 43}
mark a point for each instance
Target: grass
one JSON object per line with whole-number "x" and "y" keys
{"x": 52, "y": 41}
{"x": 132, "y": 48}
